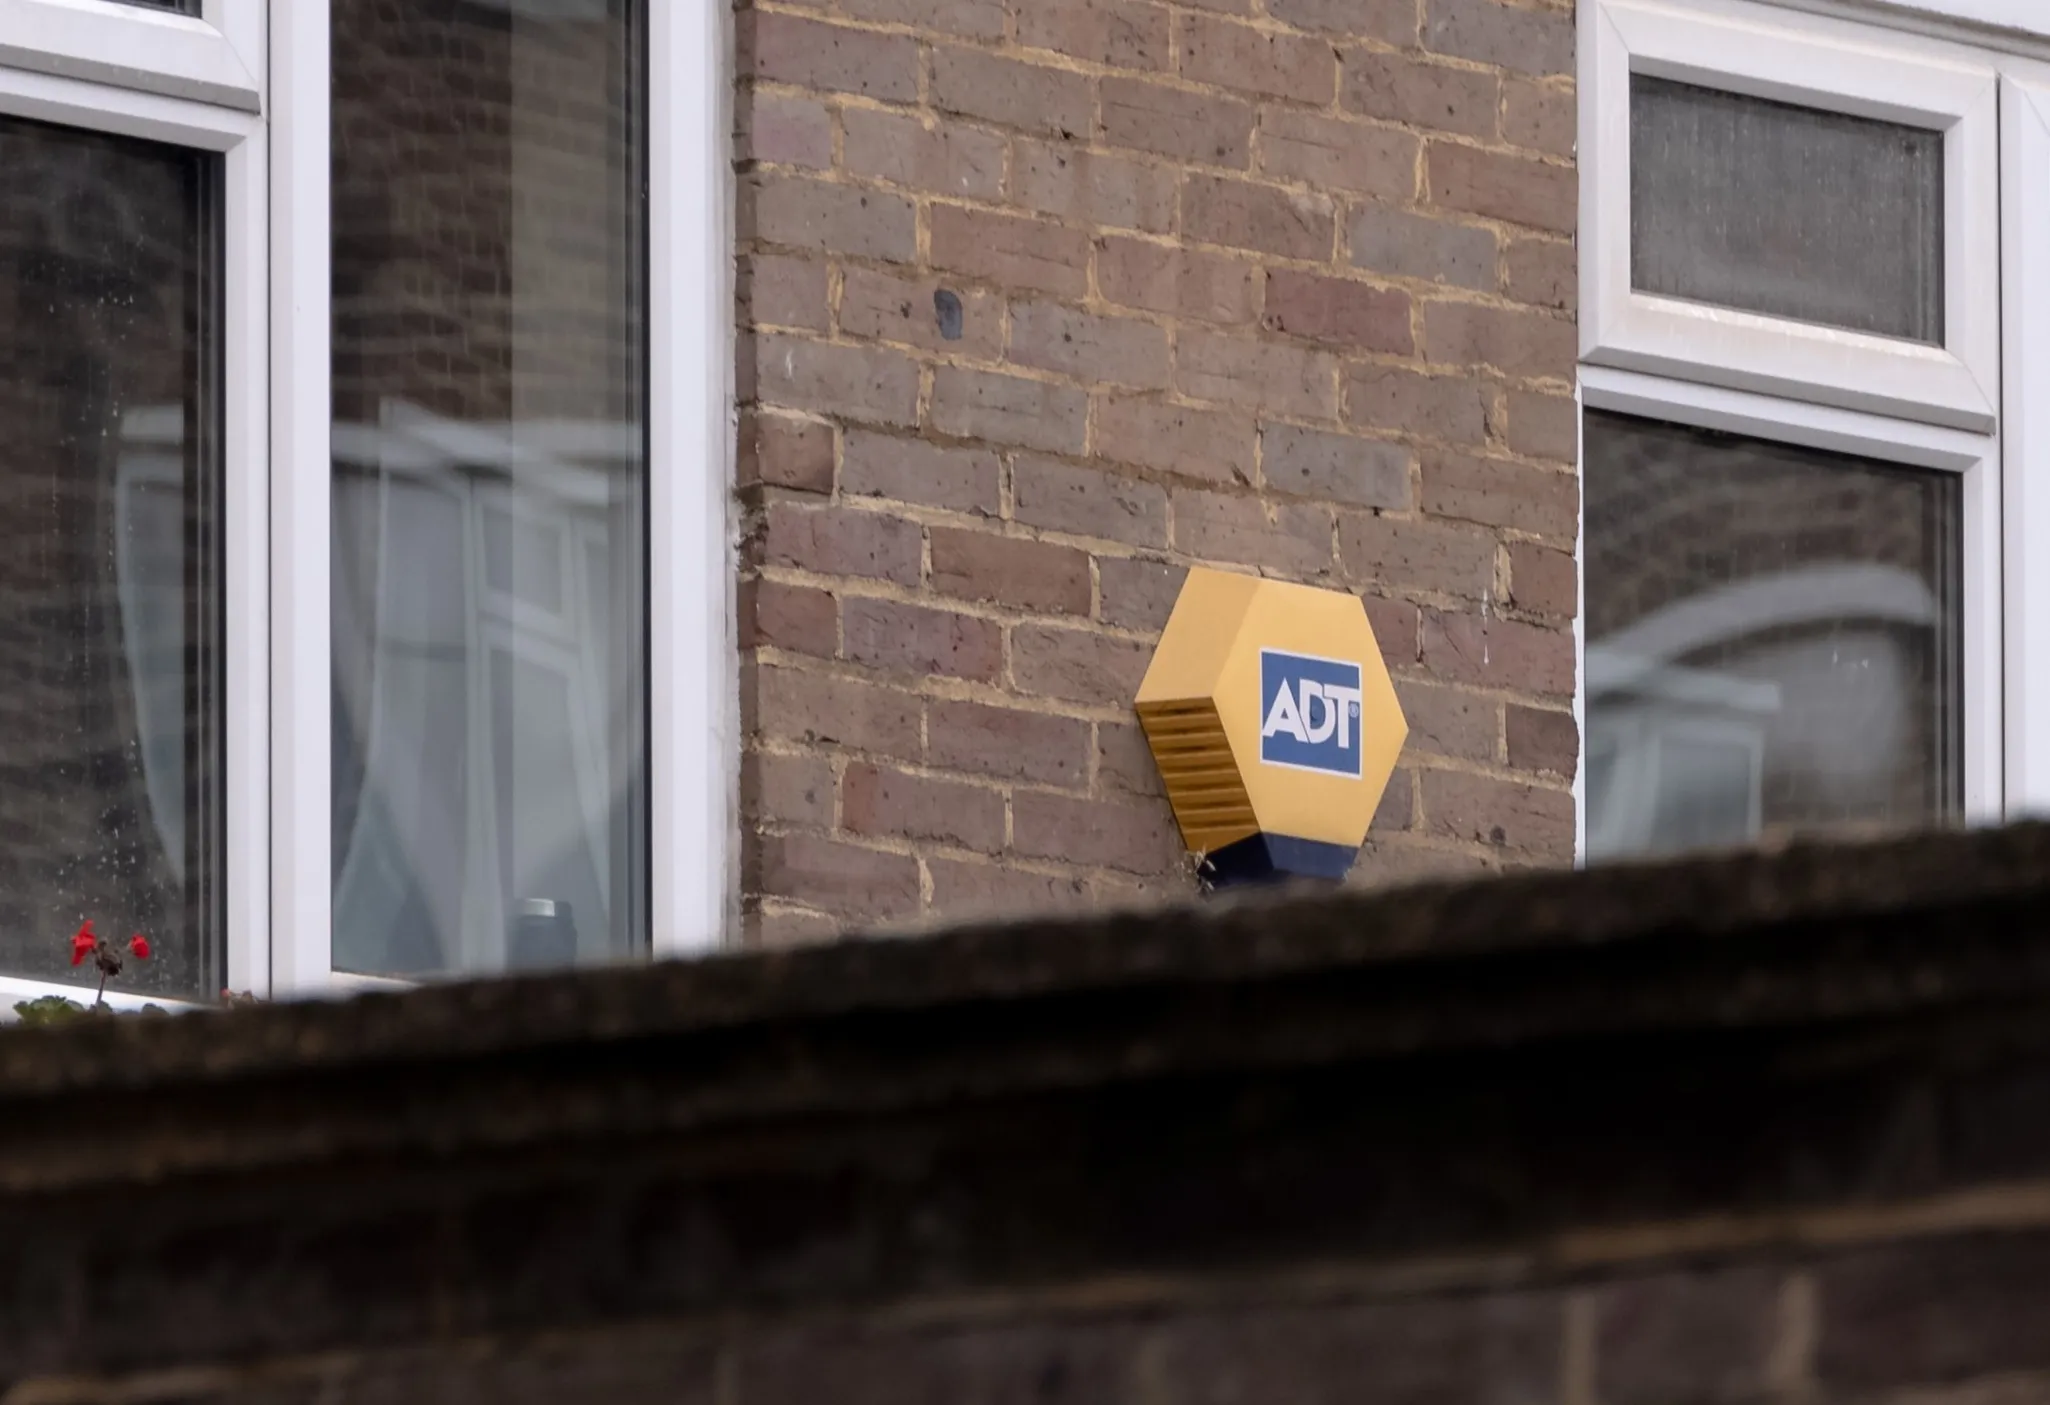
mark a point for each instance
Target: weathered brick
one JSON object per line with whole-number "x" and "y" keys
{"x": 1970, "y": 1306}
{"x": 1397, "y": 629}
{"x": 1100, "y": 350}
{"x": 1088, "y": 502}
{"x": 1211, "y": 444}
{"x": 1544, "y": 272}
{"x": 1396, "y": 809}
{"x": 1137, "y": 593}
{"x": 1543, "y": 426}
{"x": 1542, "y": 740}
{"x": 963, "y": 890}
{"x": 910, "y": 470}
{"x": 1009, "y": 410}
{"x": 1705, "y": 1337}
{"x": 841, "y": 219}
{"x": 780, "y": 291}
{"x": 841, "y": 541}
{"x": 1167, "y": 121}
{"x": 1438, "y": 96}
{"x": 777, "y": 928}
{"x": 1124, "y": 761}
{"x": 1515, "y": 342}
{"x": 1417, "y": 554}
{"x": 1139, "y": 837}
{"x": 1077, "y": 665}
{"x": 1340, "y": 468}
{"x": 1540, "y": 116}
{"x": 882, "y": 802}
{"x": 1452, "y": 722}
{"x": 1430, "y": 407}
{"x": 889, "y": 307}
{"x": 1524, "y": 820}
{"x": 1337, "y": 310}
{"x": 1033, "y": 97}
{"x": 1012, "y": 250}
{"x": 1390, "y": 21}
{"x": 1526, "y": 38}
{"x": 1387, "y": 861}
{"x": 834, "y": 58}
{"x": 970, "y": 19}
{"x": 946, "y": 158}
{"x": 843, "y": 879}
{"x": 1502, "y": 186}
{"x": 1030, "y": 575}
{"x": 1268, "y": 219}
{"x": 1331, "y": 153}
{"x": 819, "y": 708}
{"x": 1006, "y": 743}
{"x": 1501, "y": 494}
{"x": 1291, "y": 537}
{"x": 1181, "y": 282}
{"x": 912, "y": 639}
{"x": 787, "y": 789}
{"x": 799, "y": 618}
{"x": 1256, "y": 375}
{"x": 1543, "y": 581}
{"x": 785, "y": 131}
{"x": 1085, "y": 187}
{"x": 1120, "y": 33}
{"x": 786, "y": 453}
{"x": 1398, "y": 244}
{"x": 855, "y": 382}
{"x": 1489, "y": 651}
{"x": 1231, "y": 55}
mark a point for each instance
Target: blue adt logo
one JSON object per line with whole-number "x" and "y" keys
{"x": 1310, "y": 713}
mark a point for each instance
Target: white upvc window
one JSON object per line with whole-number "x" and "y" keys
{"x": 1810, "y": 481}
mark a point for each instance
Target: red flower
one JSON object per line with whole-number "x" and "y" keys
{"x": 83, "y": 943}
{"x": 139, "y": 944}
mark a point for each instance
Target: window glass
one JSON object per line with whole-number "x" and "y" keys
{"x": 1772, "y": 640}
{"x": 490, "y": 569}
{"x": 110, "y": 584}
{"x": 1786, "y": 210}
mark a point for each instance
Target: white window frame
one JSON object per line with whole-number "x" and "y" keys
{"x": 215, "y": 57}
{"x": 1815, "y": 62}
{"x": 2025, "y": 292}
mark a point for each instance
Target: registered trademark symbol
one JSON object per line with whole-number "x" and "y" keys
{"x": 1354, "y": 709}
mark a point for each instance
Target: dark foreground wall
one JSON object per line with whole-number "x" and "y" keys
{"x": 1756, "y": 1128}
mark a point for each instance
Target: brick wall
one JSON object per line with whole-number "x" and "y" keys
{"x": 1279, "y": 285}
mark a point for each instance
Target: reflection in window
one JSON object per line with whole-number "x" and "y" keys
{"x": 110, "y": 585}
{"x": 1772, "y": 640}
{"x": 489, "y": 485}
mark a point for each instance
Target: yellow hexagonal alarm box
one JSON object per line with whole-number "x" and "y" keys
{"x": 1275, "y": 726}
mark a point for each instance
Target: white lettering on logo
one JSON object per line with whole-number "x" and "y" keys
{"x": 1324, "y": 708}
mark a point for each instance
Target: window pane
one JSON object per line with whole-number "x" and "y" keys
{"x": 110, "y": 586}
{"x": 1772, "y": 640}
{"x": 1786, "y": 210}
{"x": 489, "y": 485}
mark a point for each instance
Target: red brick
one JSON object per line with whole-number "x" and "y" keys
{"x": 1181, "y": 282}
{"x": 776, "y": 290}
{"x": 946, "y": 158}
{"x": 1136, "y": 593}
{"x": 865, "y": 884}
{"x": 1451, "y": 722}
{"x": 1140, "y": 838}
{"x": 910, "y": 470}
{"x": 1029, "y": 575}
{"x": 1077, "y": 665}
{"x": 915, "y": 640}
{"x": 1339, "y": 311}
{"x": 1544, "y": 272}
{"x": 1397, "y": 807}
{"x": 856, "y": 382}
{"x": 1543, "y": 581}
{"x": 841, "y": 219}
{"x": 1007, "y": 744}
{"x": 1420, "y": 93}
{"x": 1118, "y": 33}
{"x": 840, "y": 541}
{"x": 819, "y": 708}
{"x": 1707, "y": 1336}
{"x": 1514, "y": 342}
{"x": 962, "y": 890}
{"x": 780, "y": 928}
{"x": 1256, "y": 375}
{"x": 1084, "y": 187}
{"x": 1011, "y": 250}
{"x": 1491, "y": 652}
{"x": 1416, "y": 554}
{"x": 1291, "y": 537}
{"x": 1524, "y": 820}
{"x": 884, "y": 803}
{"x": 832, "y": 58}
{"x": 971, "y": 19}
{"x": 1340, "y": 468}
{"x": 1541, "y": 740}
{"x": 1501, "y": 494}
{"x": 1390, "y": 21}
{"x": 1088, "y": 502}
{"x": 1230, "y": 55}
{"x": 1265, "y": 218}
{"x": 1430, "y": 407}
{"x": 786, "y": 453}
{"x": 798, "y": 618}
{"x": 1525, "y": 38}
{"x": 886, "y": 307}
{"x": 1397, "y": 625}
{"x": 1031, "y": 96}
{"x": 1124, "y": 761}
{"x": 1540, "y": 117}
{"x": 787, "y": 789}
{"x": 1397, "y": 861}
{"x": 785, "y": 131}
{"x": 1398, "y": 244}
{"x": 1210, "y": 444}
{"x": 1330, "y": 153}
{"x": 1169, "y": 121}
{"x": 1501, "y": 186}
{"x": 1009, "y": 410}
{"x": 1100, "y": 350}
{"x": 1543, "y": 426}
